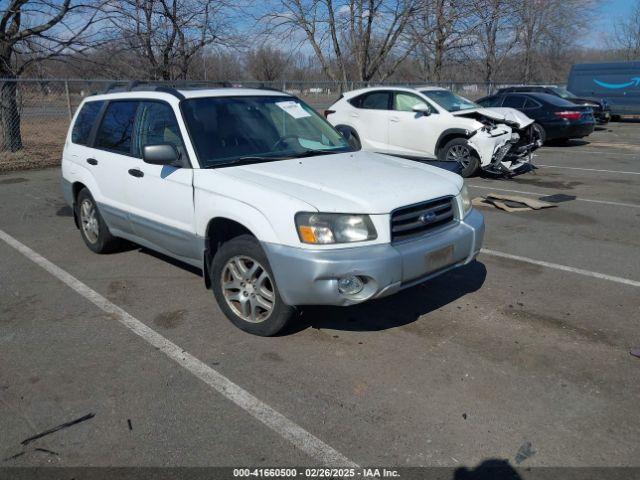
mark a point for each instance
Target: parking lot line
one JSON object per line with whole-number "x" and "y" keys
{"x": 601, "y": 152}
{"x": 587, "y": 169}
{"x": 565, "y": 268}
{"x": 541, "y": 194}
{"x": 298, "y": 436}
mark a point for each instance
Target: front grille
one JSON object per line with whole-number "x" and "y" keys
{"x": 416, "y": 220}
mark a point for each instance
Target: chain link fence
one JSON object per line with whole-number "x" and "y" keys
{"x": 35, "y": 113}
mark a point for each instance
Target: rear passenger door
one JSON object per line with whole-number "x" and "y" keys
{"x": 161, "y": 197}
{"x": 109, "y": 160}
{"x": 371, "y": 119}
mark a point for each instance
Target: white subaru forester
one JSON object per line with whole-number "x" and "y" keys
{"x": 261, "y": 193}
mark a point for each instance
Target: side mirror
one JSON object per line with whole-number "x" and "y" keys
{"x": 422, "y": 108}
{"x": 161, "y": 154}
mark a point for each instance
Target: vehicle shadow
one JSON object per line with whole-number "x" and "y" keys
{"x": 401, "y": 309}
{"x": 492, "y": 469}
{"x": 572, "y": 142}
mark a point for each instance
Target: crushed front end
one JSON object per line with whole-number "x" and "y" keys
{"x": 504, "y": 146}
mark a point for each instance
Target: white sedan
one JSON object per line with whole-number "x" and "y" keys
{"x": 432, "y": 122}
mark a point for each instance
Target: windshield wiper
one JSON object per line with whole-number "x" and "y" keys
{"x": 249, "y": 159}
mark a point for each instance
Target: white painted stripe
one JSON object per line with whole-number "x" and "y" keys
{"x": 595, "y": 152}
{"x": 541, "y": 194}
{"x": 587, "y": 169}
{"x": 299, "y": 437}
{"x": 564, "y": 268}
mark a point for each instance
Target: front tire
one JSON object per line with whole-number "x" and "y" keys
{"x": 244, "y": 287}
{"x": 93, "y": 229}
{"x": 458, "y": 150}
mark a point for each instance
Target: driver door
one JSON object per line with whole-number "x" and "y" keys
{"x": 412, "y": 133}
{"x": 161, "y": 197}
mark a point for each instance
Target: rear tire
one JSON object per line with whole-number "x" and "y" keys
{"x": 244, "y": 287}
{"x": 93, "y": 229}
{"x": 458, "y": 150}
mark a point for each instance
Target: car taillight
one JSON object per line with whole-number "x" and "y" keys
{"x": 328, "y": 112}
{"x": 569, "y": 115}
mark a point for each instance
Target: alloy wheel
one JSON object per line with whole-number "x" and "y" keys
{"x": 248, "y": 289}
{"x": 460, "y": 154}
{"x": 89, "y": 220}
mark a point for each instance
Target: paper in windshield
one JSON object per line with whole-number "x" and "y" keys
{"x": 293, "y": 108}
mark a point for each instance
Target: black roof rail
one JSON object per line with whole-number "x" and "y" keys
{"x": 171, "y": 91}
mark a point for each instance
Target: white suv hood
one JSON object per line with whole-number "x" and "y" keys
{"x": 353, "y": 182}
{"x": 499, "y": 114}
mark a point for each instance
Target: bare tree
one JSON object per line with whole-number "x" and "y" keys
{"x": 30, "y": 32}
{"x": 168, "y": 34}
{"x": 266, "y": 63}
{"x": 496, "y": 33}
{"x": 627, "y": 33}
{"x": 442, "y": 27}
{"x": 345, "y": 33}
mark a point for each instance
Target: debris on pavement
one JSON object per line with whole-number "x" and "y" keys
{"x": 510, "y": 203}
{"x": 525, "y": 451}
{"x": 27, "y": 441}
{"x": 635, "y": 352}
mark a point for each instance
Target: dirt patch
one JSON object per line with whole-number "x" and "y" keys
{"x": 10, "y": 181}
{"x": 170, "y": 320}
{"x": 271, "y": 356}
{"x": 43, "y": 139}
{"x": 539, "y": 182}
{"x": 560, "y": 216}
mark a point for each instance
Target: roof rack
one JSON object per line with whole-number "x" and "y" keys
{"x": 170, "y": 87}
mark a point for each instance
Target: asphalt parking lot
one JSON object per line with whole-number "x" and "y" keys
{"x": 528, "y": 353}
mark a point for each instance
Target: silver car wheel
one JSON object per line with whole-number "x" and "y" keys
{"x": 89, "y": 220}
{"x": 248, "y": 289}
{"x": 460, "y": 154}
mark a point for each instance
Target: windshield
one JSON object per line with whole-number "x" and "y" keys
{"x": 239, "y": 129}
{"x": 449, "y": 100}
{"x": 563, "y": 92}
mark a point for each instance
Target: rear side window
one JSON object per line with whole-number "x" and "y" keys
{"x": 115, "y": 130}
{"x": 84, "y": 122}
{"x": 491, "y": 101}
{"x": 530, "y": 104}
{"x": 372, "y": 101}
{"x": 514, "y": 101}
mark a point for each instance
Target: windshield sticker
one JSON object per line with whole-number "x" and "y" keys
{"x": 294, "y": 109}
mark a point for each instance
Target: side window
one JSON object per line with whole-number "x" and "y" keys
{"x": 491, "y": 101}
{"x": 117, "y": 125}
{"x": 84, "y": 122}
{"x": 530, "y": 104}
{"x": 514, "y": 101}
{"x": 155, "y": 124}
{"x": 404, "y": 102}
{"x": 372, "y": 101}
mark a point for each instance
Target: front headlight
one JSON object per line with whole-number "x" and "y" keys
{"x": 465, "y": 200}
{"x": 325, "y": 228}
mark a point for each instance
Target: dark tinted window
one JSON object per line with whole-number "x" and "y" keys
{"x": 491, "y": 101}
{"x": 84, "y": 122}
{"x": 116, "y": 127}
{"x": 531, "y": 104}
{"x": 514, "y": 101}
{"x": 553, "y": 100}
{"x": 372, "y": 101}
{"x": 156, "y": 124}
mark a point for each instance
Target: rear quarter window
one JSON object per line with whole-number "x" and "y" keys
{"x": 116, "y": 128}
{"x": 85, "y": 121}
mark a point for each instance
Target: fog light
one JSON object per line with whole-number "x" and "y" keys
{"x": 350, "y": 285}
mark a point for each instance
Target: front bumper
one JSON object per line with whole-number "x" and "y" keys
{"x": 310, "y": 277}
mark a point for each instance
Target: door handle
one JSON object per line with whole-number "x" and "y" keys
{"x": 92, "y": 161}
{"x": 394, "y": 119}
{"x": 134, "y": 172}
